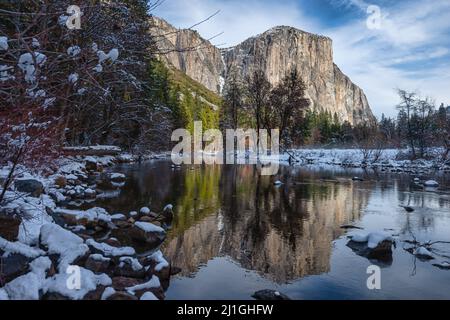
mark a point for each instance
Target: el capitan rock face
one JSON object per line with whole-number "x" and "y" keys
{"x": 188, "y": 52}
{"x": 276, "y": 51}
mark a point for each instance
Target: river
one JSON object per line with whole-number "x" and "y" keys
{"x": 235, "y": 232}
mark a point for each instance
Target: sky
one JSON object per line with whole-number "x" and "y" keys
{"x": 382, "y": 45}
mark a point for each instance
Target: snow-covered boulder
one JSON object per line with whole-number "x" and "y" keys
{"x": 129, "y": 267}
{"x": 133, "y": 214}
{"x": 373, "y": 246}
{"x": 26, "y": 287}
{"x": 148, "y": 233}
{"x": 157, "y": 264}
{"x": 118, "y": 217}
{"x": 69, "y": 247}
{"x": 19, "y": 248}
{"x": 90, "y": 217}
{"x": 431, "y": 184}
{"x": 89, "y": 282}
{"x": 29, "y": 286}
{"x": 34, "y": 209}
{"x": 423, "y": 253}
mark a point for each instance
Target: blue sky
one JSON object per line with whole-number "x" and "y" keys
{"x": 410, "y": 48}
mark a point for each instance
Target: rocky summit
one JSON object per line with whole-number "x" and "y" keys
{"x": 275, "y": 51}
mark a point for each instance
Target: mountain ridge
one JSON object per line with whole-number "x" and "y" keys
{"x": 275, "y": 51}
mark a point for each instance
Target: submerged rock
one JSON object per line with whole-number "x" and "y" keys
{"x": 270, "y": 295}
{"x": 443, "y": 265}
{"x": 348, "y": 226}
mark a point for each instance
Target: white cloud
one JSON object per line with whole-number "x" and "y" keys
{"x": 413, "y": 32}
{"x": 417, "y": 34}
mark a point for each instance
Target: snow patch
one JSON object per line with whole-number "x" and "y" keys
{"x": 422, "y": 251}
{"x": 35, "y": 43}
{"x": 73, "y": 77}
{"x": 110, "y": 251}
{"x": 373, "y": 239}
{"x": 133, "y": 262}
{"x": 73, "y": 51}
{"x": 153, "y": 283}
{"x": 112, "y": 55}
{"x": 28, "y": 286}
{"x": 148, "y": 227}
{"x": 20, "y": 248}
{"x": 93, "y": 215}
{"x": 3, "y": 295}
{"x": 4, "y": 43}
{"x": 159, "y": 259}
{"x": 4, "y": 74}
{"x": 108, "y": 293}
{"x": 148, "y": 296}
{"x": 27, "y": 63}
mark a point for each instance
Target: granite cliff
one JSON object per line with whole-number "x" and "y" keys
{"x": 275, "y": 51}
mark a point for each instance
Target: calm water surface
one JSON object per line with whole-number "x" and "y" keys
{"x": 234, "y": 232}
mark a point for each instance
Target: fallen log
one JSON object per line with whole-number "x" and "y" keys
{"x": 92, "y": 151}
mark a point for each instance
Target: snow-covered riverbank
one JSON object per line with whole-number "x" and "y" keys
{"x": 49, "y": 252}
{"x": 392, "y": 160}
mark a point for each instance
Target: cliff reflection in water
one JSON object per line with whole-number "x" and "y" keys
{"x": 284, "y": 232}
